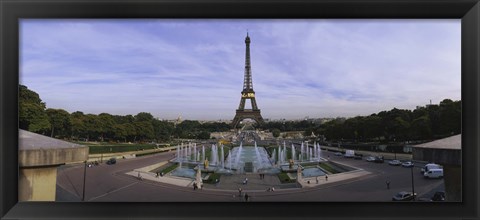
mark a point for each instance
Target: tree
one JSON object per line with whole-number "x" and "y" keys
{"x": 93, "y": 126}
{"x": 32, "y": 116}
{"x": 59, "y": 121}
{"x": 203, "y": 135}
{"x": 106, "y": 123}
{"x": 144, "y": 116}
{"x": 276, "y": 132}
{"x": 144, "y": 130}
{"x": 450, "y": 117}
{"x": 420, "y": 128}
{"x": 78, "y": 126}
{"x": 163, "y": 130}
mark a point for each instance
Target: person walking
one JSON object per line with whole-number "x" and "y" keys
{"x": 316, "y": 179}
{"x": 388, "y": 184}
{"x": 246, "y": 197}
{"x": 239, "y": 191}
{"x": 326, "y": 177}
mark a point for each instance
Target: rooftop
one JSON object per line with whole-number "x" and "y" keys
{"x": 29, "y": 141}
{"x": 452, "y": 143}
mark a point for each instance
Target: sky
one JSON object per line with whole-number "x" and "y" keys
{"x": 194, "y": 68}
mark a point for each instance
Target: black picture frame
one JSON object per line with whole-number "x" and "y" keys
{"x": 13, "y": 10}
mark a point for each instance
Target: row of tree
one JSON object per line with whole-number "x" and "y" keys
{"x": 35, "y": 117}
{"x": 423, "y": 123}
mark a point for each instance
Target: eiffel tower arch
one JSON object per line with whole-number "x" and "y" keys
{"x": 247, "y": 94}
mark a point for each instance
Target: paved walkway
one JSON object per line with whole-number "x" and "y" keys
{"x": 255, "y": 182}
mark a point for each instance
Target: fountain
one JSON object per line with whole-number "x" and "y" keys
{"x": 195, "y": 152}
{"x": 229, "y": 159}
{"x": 302, "y": 152}
{"x": 222, "y": 157}
{"x": 274, "y": 153}
{"x": 293, "y": 152}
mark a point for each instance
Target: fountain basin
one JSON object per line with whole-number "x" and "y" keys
{"x": 312, "y": 172}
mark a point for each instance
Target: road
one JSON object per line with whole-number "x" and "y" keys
{"x": 109, "y": 183}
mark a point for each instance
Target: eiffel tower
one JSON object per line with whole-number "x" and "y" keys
{"x": 247, "y": 93}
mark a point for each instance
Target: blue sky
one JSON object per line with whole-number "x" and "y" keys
{"x": 195, "y": 68}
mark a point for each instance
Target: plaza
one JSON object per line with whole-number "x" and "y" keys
{"x": 114, "y": 183}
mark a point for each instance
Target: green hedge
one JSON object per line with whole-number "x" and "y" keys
{"x": 99, "y": 149}
{"x": 328, "y": 168}
{"x": 284, "y": 178}
{"x": 169, "y": 168}
{"x": 212, "y": 177}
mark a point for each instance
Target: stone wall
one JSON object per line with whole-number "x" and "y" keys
{"x": 37, "y": 184}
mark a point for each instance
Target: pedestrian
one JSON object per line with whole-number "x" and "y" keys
{"x": 246, "y": 197}
{"x": 388, "y": 184}
{"x": 316, "y": 179}
{"x": 326, "y": 177}
{"x": 194, "y": 185}
{"x": 239, "y": 191}
{"x": 273, "y": 189}
{"x": 246, "y": 180}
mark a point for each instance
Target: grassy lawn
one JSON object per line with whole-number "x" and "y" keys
{"x": 328, "y": 168}
{"x": 168, "y": 169}
{"x": 115, "y": 148}
{"x": 284, "y": 178}
{"x": 211, "y": 179}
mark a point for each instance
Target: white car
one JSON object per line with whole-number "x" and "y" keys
{"x": 433, "y": 173}
{"x": 407, "y": 164}
{"x": 431, "y": 166}
{"x": 370, "y": 159}
{"x": 395, "y": 162}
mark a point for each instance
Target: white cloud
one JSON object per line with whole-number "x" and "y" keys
{"x": 195, "y": 68}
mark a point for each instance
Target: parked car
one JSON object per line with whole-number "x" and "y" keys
{"x": 395, "y": 163}
{"x": 370, "y": 158}
{"x": 433, "y": 173}
{"x": 349, "y": 153}
{"x": 338, "y": 154}
{"x": 438, "y": 196}
{"x": 378, "y": 160}
{"x": 407, "y": 164}
{"x": 112, "y": 161}
{"x": 404, "y": 196}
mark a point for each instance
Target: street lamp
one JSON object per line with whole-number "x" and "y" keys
{"x": 413, "y": 185}
{"x": 84, "y": 178}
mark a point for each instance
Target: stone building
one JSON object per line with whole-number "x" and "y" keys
{"x": 448, "y": 153}
{"x": 38, "y": 159}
